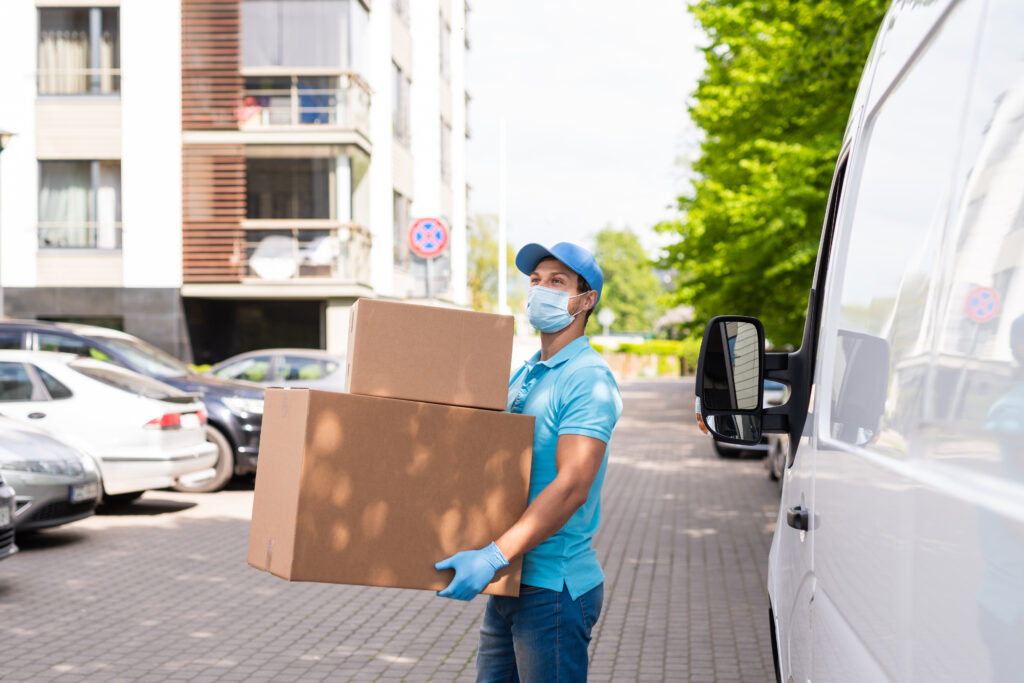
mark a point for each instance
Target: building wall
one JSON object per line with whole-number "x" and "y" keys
{"x": 143, "y": 129}
{"x": 18, "y": 169}
{"x": 151, "y": 134}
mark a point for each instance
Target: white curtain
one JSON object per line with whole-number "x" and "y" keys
{"x": 65, "y": 203}
{"x": 63, "y": 61}
{"x": 108, "y": 206}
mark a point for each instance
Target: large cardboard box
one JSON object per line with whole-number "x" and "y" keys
{"x": 373, "y": 491}
{"x": 427, "y": 353}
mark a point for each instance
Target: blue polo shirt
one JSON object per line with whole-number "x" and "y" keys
{"x": 573, "y": 392}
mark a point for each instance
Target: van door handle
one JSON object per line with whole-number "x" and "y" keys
{"x": 36, "y": 416}
{"x": 797, "y": 517}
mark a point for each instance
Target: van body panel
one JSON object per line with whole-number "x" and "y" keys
{"x": 913, "y": 569}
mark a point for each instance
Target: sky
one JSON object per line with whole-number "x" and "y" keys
{"x": 593, "y": 94}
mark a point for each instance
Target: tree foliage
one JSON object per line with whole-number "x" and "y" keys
{"x": 773, "y": 102}
{"x": 482, "y": 278}
{"x": 631, "y": 288}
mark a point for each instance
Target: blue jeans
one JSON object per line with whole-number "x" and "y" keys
{"x": 539, "y": 637}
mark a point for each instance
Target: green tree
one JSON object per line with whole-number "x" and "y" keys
{"x": 482, "y": 278}
{"x": 631, "y": 289}
{"x": 773, "y": 103}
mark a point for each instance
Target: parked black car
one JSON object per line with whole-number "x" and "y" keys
{"x": 234, "y": 408}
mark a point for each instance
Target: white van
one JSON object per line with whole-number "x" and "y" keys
{"x": 899, "y": 549}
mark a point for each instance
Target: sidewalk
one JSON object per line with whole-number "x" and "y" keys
{"x": 162, "y": 592}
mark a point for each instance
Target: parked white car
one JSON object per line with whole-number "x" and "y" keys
{"x": 142, "y": 433}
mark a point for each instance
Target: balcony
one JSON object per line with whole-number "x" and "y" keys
{"x": 312, "y": 250}
{"x": 273, "y": 101}
{"x": 79, "y": 235}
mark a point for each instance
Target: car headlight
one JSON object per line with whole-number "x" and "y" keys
{"x": 64, "y": 467}
{"x": 239, "y": 405}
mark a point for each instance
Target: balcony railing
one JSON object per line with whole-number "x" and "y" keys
{"x": 79, "y": 235}
{"x": 287, "y": 250}
{"x": 105, "y": 81}
{"x": 339, "y": 101}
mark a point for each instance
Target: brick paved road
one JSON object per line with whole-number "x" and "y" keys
{"x": 161, "y": 592}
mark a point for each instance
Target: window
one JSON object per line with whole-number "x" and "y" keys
{"x": 402, "y": 223}
{"x": 251, "y": 368}
{"x": 56, "y": 389}
{"x": 79, "y": 51}
{"x": 303, "y": 368}
{"x": 446, "y": 152}
{"x": 400, "y": 104}
{"x": 289, "y": 188}
{"x": 125, "y": 380}
{"x": 15, "y": 384}
{"x": 888, "y": 247}
{"x": 11, "y": 339}
{"x": 147, "y": 359}
{"x": 445, "y": 40}
{"x": 305, "y": 33}
{"x": 62, "y": 344}
{"x": 80, "y": 204}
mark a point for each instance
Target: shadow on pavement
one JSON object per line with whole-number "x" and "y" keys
{"x": 144, "y": 507}
{"x": 41, "y": 539}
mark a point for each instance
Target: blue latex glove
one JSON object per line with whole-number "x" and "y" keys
{"x": 474, "y": 569}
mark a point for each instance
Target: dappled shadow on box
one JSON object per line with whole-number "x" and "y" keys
{"x": 373, "y": 491}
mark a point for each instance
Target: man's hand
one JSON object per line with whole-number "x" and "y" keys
{"x": 474, "y": 569}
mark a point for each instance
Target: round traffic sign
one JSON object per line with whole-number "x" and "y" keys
{"x": 428, "y": 237}
{"x": 982, "y": 304}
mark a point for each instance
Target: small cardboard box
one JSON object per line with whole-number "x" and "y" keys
{"x": 373, "y": 491}
{"x": 426, "y": 353}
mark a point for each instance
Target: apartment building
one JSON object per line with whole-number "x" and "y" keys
{"x": 222, "y": 175}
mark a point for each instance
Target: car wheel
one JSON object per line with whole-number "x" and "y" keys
{"x": 224, "y": 468}
{"x": 773, "y": 463}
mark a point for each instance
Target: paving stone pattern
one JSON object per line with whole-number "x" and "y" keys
{"x": 160, "y": 591}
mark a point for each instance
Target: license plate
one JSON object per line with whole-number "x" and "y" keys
{"x": 189, "y": 421}
{"x": 5, "y": 516}
{"x": 84, "y": 492}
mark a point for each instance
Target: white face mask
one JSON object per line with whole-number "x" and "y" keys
{"x": 548, "y": 309}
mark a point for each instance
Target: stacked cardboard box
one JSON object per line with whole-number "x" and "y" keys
{"x": 415, "y": 463}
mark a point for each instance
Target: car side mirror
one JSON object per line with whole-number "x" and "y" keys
{"x": 730, "y": 379}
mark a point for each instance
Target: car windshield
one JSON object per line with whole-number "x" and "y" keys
{"x": 127, "y": 381}
{"x": 149, "y": 359}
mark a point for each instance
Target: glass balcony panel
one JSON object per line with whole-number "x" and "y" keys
{"x": 340, "y": 253}
{"x": 339, "y": 101}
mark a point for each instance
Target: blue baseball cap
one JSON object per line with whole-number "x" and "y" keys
{"x": 572, "y": 255}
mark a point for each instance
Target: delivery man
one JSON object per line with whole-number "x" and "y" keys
{"x": 542, "y": 635}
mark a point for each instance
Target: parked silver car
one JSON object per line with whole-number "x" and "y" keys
{"x": 54, "y": 483}
{"x": 309, "y": 368}
{"x": 7, "y": 547}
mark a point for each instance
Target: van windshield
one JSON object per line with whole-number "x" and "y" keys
{"x": 149, "y": 359}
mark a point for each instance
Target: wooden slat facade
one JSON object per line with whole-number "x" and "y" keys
{"x": 213, "y": 176}
{"x": 213, "y": 197}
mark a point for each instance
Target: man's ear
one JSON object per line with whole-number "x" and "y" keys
{"x": 593, "y": 305}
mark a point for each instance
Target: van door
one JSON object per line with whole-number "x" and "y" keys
{"x": 872, "y": 362}
{"x": 791, "y": 559}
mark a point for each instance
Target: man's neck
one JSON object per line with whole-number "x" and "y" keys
{"x": 553, "y": 342}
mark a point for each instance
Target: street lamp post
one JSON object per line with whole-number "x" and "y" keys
{"x": 5, "y": 139}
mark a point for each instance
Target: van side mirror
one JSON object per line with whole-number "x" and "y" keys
{"x": 730, "y": 379}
